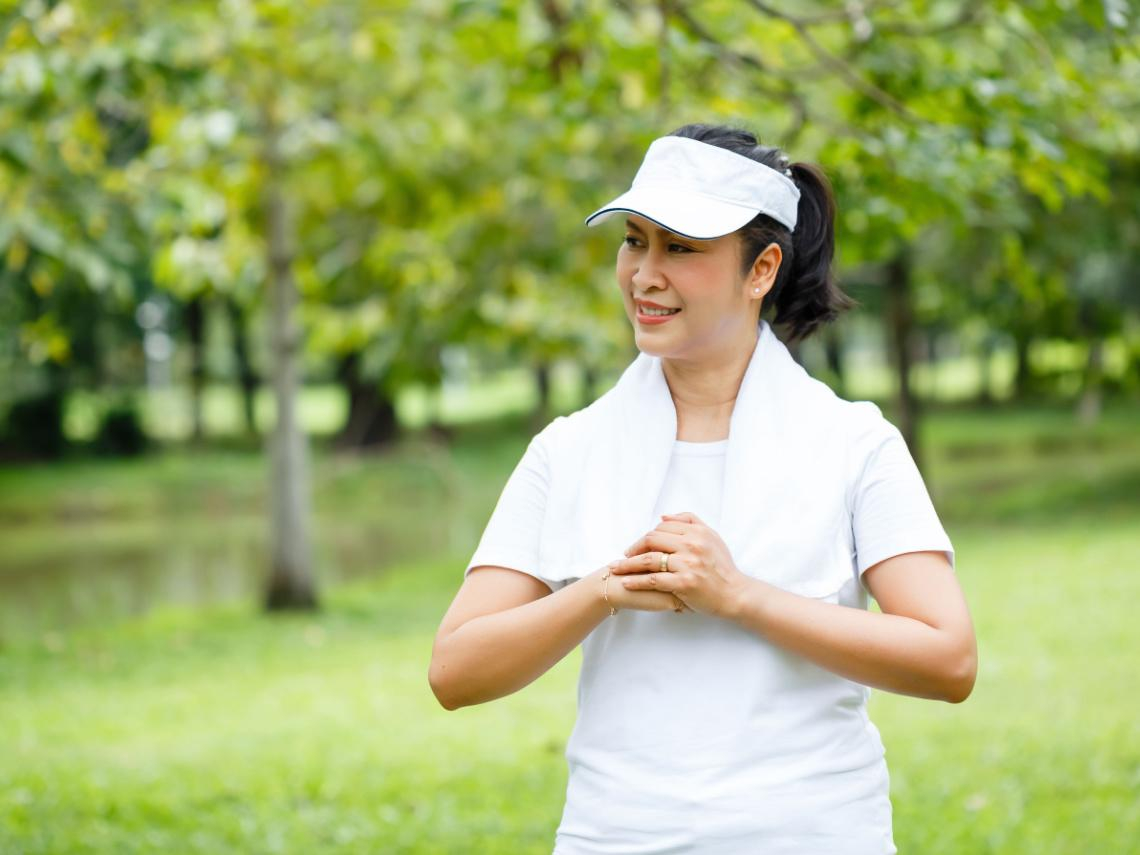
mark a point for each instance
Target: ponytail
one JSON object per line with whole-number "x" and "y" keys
{"x": 808, "y": 296}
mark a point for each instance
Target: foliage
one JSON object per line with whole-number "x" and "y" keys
{"x": 439, "y": 207}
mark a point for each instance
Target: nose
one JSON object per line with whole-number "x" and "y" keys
{"x": 648, "y": 273}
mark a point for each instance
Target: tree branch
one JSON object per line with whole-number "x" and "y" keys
{"x": 837, "y": 64}
{"x": 786, "y": 94}
{"x": 851, "y": 10}
{"x": 968, "y": 14}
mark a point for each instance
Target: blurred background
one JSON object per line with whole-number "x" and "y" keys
{"x": 287, "y": 287}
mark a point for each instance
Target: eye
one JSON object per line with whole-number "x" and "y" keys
{"x": 680, "y": 246}
{"x": 629, "y": 240}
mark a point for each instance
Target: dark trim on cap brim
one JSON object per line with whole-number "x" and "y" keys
{"x": 668, "y": 228}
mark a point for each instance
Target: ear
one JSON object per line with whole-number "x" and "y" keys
{"x": 762, "y": 276}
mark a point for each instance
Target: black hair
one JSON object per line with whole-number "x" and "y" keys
{"x": 805, "y": 293}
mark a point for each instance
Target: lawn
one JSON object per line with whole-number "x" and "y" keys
{"x": 218, "y": 730}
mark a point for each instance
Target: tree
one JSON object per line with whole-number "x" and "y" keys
{"x": 72, "y": 255}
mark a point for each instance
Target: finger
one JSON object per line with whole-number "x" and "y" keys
{"x": 659, "y": 541}
{"x": 649, "y": 601}
{"x": 646, "y": 562}
{"x": 622, "y": 566}
{"x": 651, "y": 582}
{"x": 626, "y": 565}
{"x": 684, "y": 516}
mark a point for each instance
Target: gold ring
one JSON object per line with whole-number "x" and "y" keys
{"x": 664, "y": 562}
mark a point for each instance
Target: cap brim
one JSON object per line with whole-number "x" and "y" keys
{"x": 687, "y": 214}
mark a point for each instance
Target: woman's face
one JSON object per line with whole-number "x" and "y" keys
{"x": 701, "y": 278}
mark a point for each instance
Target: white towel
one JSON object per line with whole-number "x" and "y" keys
{"x": 786, "y": 509}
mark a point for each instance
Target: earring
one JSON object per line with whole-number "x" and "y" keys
{"x": 755, "y": 290}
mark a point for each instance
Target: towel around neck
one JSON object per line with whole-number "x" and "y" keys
{"x": 788, "y": 479}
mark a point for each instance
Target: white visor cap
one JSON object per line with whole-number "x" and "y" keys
{"x": 703, "y": 191}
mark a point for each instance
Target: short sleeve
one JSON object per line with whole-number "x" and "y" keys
{"x": 511, "y": 538}
{"x": 891, "y": 509}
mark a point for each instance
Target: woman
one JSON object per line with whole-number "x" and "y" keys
{"x": 709, "y": 530}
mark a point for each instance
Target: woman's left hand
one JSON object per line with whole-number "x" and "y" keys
{"x": 701, "y": 571}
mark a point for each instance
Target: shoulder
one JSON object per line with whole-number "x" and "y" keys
{"x": 867, "y": 432}
{"x": 824, "y": 414}
{"x": 866, "y": 424}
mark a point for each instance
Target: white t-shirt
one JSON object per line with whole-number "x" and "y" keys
{"x": 697, "y": 736}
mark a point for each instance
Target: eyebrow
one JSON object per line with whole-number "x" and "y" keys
{"x": 632, "y": 225}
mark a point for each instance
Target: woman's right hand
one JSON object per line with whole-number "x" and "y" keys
{"x": 622, "y": 598}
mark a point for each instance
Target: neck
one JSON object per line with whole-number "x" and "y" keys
{"x": 704, "y": 388}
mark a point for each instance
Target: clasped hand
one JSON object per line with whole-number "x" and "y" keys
{"x": 702, "y": 575}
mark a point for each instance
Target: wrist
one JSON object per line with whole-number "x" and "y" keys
{"x": 596, "y": 586}
{"x": 607, "y": 602}
{"x": 744, "y": 600}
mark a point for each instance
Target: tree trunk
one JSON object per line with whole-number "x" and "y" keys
{"x": 563, "y": 53}
{"x": 542, "y": 381}
{"x": 1023, "y": 374}
{"x": 589, "y": 383}
{"x": 986, "y": 396}
{"x": 194, "y": 318}
{"x": 663, "y": 62}
{"x": 1092, "y": 393}
{"x": 794, "y": 350}
{"x": 371, "y": 414}
{"x": 291, "y": 582}
{"x": 833, "y": 351}
{"x": 900, "y": 329}
{"x": 247, "y": 377}
{"x": 929, "y": 339}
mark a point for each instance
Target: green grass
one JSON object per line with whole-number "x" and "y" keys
{"x": 224, "y": 731}
{"x": 236, "y": 733}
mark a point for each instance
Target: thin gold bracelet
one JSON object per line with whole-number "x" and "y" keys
{"x": 605, "y": 596}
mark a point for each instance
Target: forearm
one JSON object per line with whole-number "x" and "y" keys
{"x": 496, "y": 654}
{"x": 886, "y": 651}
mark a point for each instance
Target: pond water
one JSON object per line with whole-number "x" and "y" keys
{"x": 97, "y": 582}
{"x": 102, "y": 542}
